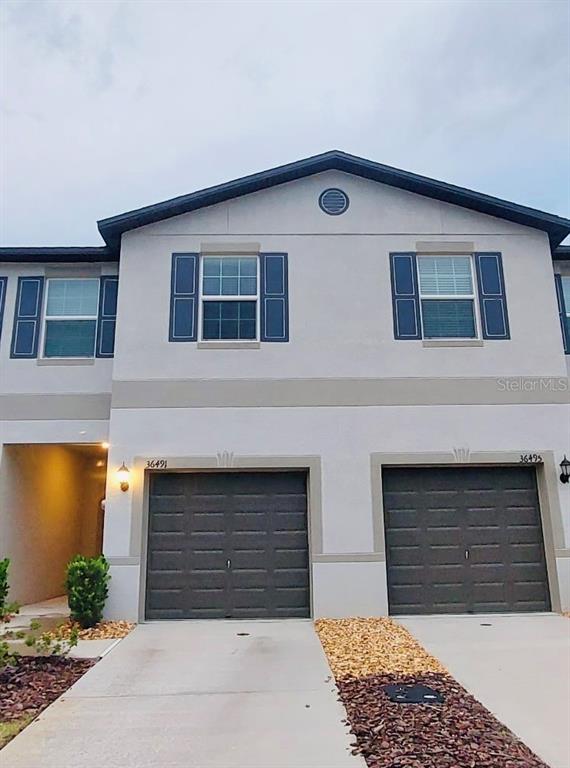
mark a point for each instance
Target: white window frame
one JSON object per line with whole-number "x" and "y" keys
{"x": 46, "y": 317}
{"x": 234, "y": 297}
{"x": 565, "y": 279}
{"x": 450, "y": 296}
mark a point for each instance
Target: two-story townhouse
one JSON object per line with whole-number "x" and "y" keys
{"x": 334, "y": 388}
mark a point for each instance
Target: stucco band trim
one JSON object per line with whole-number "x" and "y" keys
{"x": 276, "y": 393}
{"x": 44, "y": 407}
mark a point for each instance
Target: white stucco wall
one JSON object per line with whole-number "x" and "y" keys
{"x": 31, "y": 376}
{"x": 340, "y": 328}
{"x": 339, "y": 287}
{"x": 344, "y": 438}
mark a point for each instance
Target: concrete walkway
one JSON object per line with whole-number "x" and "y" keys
{"x": 217, "y": 694}
{"x": 518, "y": 667}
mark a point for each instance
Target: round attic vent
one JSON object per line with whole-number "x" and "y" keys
{"x": 333, "y": 201}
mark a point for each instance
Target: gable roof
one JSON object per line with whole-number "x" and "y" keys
{"x": 557, "y": 228}
{"x": 112, "y": 228}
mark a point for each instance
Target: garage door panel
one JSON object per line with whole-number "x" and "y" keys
{"x": 399, "y": 519}
{"x": 168, "y": 523}
{"x": 447, "y": 554}
{"x": 530, "y": 591}
{"x": 405, "y": 537}
{"x": 290, "y": 556}
{"x": 236, "y": 547}
{"x": 441, "y": 536}
{"x": 166, "y": 560}
{"x": 477, "y": 540}
{"x": 525, "y": 553}
{"x": 409, "y": 554}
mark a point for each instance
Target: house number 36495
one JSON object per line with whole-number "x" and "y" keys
{"x": 156, "y": 464}
{"x": 531, "y": 458}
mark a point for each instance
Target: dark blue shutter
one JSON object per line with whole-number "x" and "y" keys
{"x": 492, "y": 297}
{"x": 3, "y": 285}
{"x": 184, "y": 297}
{"x": 274, "y": 297}
{"x": 27, "y": 317}
{"x": 107, "y": 317}
{"x": 405, "y": 297}
{"x": 562, "y": 314}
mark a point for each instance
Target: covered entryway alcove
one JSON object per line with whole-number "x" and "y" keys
{"x": 50, "y": 510}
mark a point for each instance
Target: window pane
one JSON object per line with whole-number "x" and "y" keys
{"x": 212, "y": 286}
{"x": 228, "y": 320}
{"x": 229, "y": 286}
{"x": 212, "y": 267}
{"x": 70, "y": 338}
{"x": 72, "y": 297}
{"x": 233, "y": 276}
{"x": 445, "y": 275}
{"x": 448, "y": 319}
{"x": 566, "y": 293}
{"x": 247, "y": 286}
{"x": 248, "y": 267}
{"x": 230, "y": 267}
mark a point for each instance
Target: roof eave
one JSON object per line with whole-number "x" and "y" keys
{"x": 556, "y": 227}
{"x": 55, "y": 255}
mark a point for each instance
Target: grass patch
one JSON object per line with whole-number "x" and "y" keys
{"x": 11, "y": 728}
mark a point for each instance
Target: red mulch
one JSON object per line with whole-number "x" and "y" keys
{"x": 460, "y": 733}
{"x": 36, "y": 681}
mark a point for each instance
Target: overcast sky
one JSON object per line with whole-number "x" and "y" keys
{"x": 107, "y": 106}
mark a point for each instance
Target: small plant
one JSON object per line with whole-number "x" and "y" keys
{"x": 86, "y": 583}
{"x": 52, "y": 643}
{"x": 6, "y": 608}
{"x": 44, "y": 644}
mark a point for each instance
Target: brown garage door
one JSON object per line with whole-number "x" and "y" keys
{"x": 464, "y": 540}
{"x": 227, "y": 545}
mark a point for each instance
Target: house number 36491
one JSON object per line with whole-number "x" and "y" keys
{"x": 156, "y": 464}
{"x": 531, "y": 458}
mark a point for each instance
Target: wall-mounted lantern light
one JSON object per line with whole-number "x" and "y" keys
{"x": 123, "y": 477}
{"x": 565, "y": 470}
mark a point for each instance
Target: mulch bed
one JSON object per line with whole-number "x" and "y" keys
{"x": 104, "y": 630}
{"x": 35, "y": 681}
{"x": 460, "y": 733}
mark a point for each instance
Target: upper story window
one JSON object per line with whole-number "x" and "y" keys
{"x": 70, "y": 324}
{"x": 229, "y": 298}
{"x": 447, "y": 297}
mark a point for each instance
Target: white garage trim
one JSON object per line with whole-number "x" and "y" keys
{"x": 223, "y": 461}
{"x": 547, "y": 484}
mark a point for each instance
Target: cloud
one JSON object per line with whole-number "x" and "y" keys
{"x": 113, "y": 105}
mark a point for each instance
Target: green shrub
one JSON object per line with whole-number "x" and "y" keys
{"x": 86, "y": 584}
{"x": 4, "y": 564}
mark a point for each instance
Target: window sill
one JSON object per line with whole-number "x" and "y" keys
{"x": 435, "y": 343}
{"x": 229, "y": 345}
{"x": 65, "y": 361}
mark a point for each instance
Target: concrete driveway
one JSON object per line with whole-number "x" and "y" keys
{"x": 216, "y": 694}
{"x": 518, "y": 667}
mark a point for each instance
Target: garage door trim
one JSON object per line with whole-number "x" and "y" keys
{"x": 141, "y": 500}
{"x": 547, "y": 484}
{"x": 548, "y": 498}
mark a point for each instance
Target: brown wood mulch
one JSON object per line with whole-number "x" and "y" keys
{"x": 35, "y": 681}
{"x": 460, "y": 733}
{"x": 365, "y": 654}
